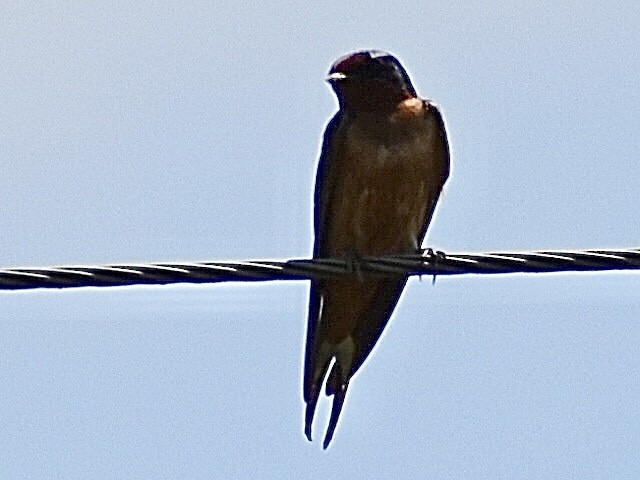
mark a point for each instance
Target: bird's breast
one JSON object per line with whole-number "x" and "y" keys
{"x": 386, "y": 187}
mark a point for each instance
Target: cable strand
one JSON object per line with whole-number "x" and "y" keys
{"x": 439, "y": 264}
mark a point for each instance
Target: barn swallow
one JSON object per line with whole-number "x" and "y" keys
{"x": 383, "y": 163}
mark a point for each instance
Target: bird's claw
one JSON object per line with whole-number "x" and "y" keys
{"x": 433, "y": 258}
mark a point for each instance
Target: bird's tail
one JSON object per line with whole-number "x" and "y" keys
{"x": 337, "y": 384}
{"x": 312, "y": 400}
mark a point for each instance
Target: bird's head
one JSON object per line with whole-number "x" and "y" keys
{"x": 370, "y": 80}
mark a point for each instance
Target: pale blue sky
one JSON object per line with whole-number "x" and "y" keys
{"x": 153, "y": 131}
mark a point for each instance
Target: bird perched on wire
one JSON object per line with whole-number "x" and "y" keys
{"x": 383, "y": 164}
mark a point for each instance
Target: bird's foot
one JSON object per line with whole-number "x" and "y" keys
{"x": 434, "y": 258}
{"x": 434, "y": 255}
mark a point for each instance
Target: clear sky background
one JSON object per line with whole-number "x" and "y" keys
{"x": 157, "y": 131}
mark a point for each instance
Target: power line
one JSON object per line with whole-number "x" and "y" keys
{"x": 300, "y": 269}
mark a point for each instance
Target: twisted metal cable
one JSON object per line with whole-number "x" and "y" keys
{"x": 300, "y": 269}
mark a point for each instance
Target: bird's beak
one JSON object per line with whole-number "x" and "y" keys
{"x": 336, "y": 77}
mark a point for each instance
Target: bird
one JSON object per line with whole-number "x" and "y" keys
{"x": 383, "y": 164}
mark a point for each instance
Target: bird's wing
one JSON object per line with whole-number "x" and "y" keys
{"x": 325, "y": 181}
{"x": 372, "y": 323}
{"x": 444, "y": 154}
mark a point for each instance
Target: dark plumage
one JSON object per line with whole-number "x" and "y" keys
{"x": 383, "y": 164}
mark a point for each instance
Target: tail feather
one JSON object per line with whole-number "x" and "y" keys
{"x": 333, "y": 383}
{"x": 336, "y": 385}
{"x": 338, "y": 401}
{"x": 311, "y": 408}
{"x": 312, "y": 393}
